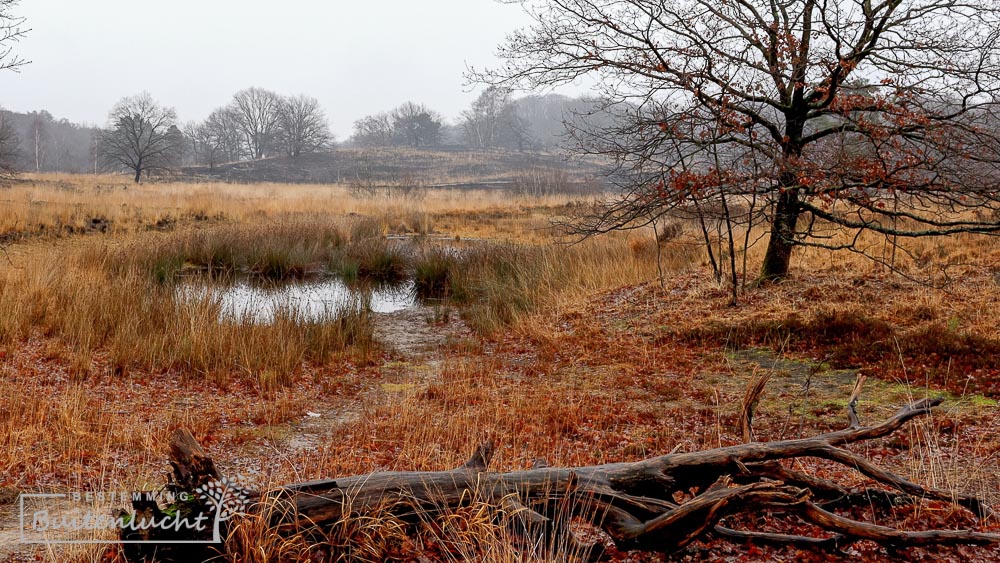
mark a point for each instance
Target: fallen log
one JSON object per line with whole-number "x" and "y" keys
{"x": 633, "y": 504}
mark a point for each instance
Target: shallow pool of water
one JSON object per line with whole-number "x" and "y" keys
{"x": 310, "y": 299}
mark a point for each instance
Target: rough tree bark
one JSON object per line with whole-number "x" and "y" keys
{"x": 778, "y": 257}
{"x": 633, "y": 503}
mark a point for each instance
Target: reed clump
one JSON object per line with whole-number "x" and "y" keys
{"x": 123, "y": 301}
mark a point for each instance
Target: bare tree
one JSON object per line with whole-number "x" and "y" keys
{"x": 224, "y": 132}
{"x": 177, "y": 148}
{"x": 207, "y": 148}
{"x": 416, "y": 125}
{"x": 202, "y": 150}
{"x": 141, "y": 136}
{"x": 8, "y": 146}
{"x": 409, "y": 124}
{"x": 216, "y": 140}
{"x": 494, "y": 120}
{"x": 11, "y": 30}
{"x": 832, "y": 114}
{"x": 257, "y": 112}
{"x": 515, "y": 131}
{"x": 373, "y": 131}
{"x": 302, "y": 126}
{"x": 39, "y": 136}
{"x": 483, "y": 121}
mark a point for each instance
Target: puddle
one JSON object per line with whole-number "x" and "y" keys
{"x": 310, "y": 300}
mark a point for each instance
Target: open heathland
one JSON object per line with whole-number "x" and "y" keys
{"x": 116, "y": 329}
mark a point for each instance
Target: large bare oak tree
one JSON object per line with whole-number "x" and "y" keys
{"x": 141, "y": 136}
{"x": 869, "y": 115}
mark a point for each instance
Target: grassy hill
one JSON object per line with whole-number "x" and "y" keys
{"x": 439, "y": 167}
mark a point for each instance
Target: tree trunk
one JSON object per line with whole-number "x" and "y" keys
{"x": 782, "y": 239}
{"x": 38, "y": 157}
{"x": 633, "y": 503}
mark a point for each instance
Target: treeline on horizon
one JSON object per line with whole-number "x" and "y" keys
{"x": 258, "y": 124}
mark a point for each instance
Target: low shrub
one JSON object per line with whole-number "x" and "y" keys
{"x": 432, "y": 272}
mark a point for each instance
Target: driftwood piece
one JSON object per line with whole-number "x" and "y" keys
{"x": 633, "y": 503}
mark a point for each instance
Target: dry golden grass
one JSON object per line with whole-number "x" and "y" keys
{"x": 112, "y": 292}
{"x": 579, "y": 357}
{"x": 57, "y": 204}
{"x": 93, "y": 307}
{"x": 98, "y": 303}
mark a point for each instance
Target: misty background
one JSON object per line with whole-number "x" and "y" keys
{"x": 355, "y": 58}
{"x": 344, "y": 75}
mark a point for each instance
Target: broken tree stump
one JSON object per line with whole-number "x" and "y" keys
{"x": 632, "y": 503}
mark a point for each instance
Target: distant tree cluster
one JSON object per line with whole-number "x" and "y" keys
{"x": 410, "y": 124}
{"x": 144, "y": 137}
{"x": 495, "y": 120}
{"x": 38, "y": 142}
{"x": 141, "y": 137}
{"x": 258, "y": 123}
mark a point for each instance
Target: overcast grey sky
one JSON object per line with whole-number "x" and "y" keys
{"x": 356, "y": 57}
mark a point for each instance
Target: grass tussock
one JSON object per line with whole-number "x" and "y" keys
{"x": 499, "y": 284}
{"x": 432, "y": 273}
{"x": 100, "y": 302}
{"x": 369, "y": 256}
{"x": 369, "y": 537}
{"x": 269, "y": 250}
{"x": 121, "y": 300}
{"x": 483, "y": 528}
{"x": 854, "y": 337}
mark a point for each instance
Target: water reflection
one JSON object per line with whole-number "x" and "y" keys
{"x": 306, "y": 299}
